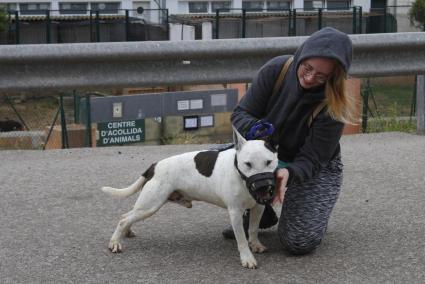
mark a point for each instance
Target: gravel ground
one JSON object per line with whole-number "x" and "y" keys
{"x": 56, "y": 223}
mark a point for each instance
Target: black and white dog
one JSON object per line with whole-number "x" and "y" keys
{"x": 237, "y": 179}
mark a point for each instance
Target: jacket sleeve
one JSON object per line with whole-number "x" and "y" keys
{"x": 320, "y": 146}
{"x": 252, "y": 106}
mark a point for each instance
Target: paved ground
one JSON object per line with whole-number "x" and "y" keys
{"x": 56, "y": 223}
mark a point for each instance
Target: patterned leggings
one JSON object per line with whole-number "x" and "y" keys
{"x": 307, "y": 207}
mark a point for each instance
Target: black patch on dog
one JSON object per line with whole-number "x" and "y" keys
{"x": 205, "y": 162}
{"x": 148, "y": 174}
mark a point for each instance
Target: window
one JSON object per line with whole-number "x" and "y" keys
{"x": 73, "y": 8}
{"x": 278, "y": 5}
{"x": 106, "y": 8}
{"x": 338, "y": 5}
{"x": 12, "y": 7}
{"x": 34, "y": 8}
{"x": 224, "y": 6}
{"x": 253, "y": 6}
{"x": 312, "y": 5}
{"x": 198, "y": 7}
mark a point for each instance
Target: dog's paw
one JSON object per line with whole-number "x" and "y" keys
{"x": 115, "y": 247}
{"x": 250, "y": 263}
{"x": 257, "y": 247}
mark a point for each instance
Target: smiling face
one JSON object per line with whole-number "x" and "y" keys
{"x": 314, "y": 72}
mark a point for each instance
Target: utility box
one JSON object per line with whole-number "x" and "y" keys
{"x": 163, "y": 115}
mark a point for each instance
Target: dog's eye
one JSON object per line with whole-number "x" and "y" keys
{"x": 248, "y": 164}
{"x": 268, "y": 162}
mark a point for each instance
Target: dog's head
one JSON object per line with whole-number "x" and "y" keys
{"x": 256, "y": 162}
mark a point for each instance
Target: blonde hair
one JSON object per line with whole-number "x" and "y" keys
{"x": 341, "y": 106}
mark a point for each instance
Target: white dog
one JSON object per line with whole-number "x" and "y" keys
{"x": 237, "y": 179}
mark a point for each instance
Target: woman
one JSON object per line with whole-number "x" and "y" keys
{"x": 310, "y": 165}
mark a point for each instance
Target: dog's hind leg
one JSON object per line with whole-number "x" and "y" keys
{"x": 150, "y": 200}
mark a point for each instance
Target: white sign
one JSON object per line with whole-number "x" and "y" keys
{"x": 190, "y": 122}
{"x": 196, "y": 104}
{"x": 183, "y": 105}
{"x": 218, "y": 100}
{"x": 117, "y": 110}
{"x": 207, "y": 121}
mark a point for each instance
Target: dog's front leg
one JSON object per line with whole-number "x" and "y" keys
{"x": 247, "y": 258}
{"x": 254, "y": 221}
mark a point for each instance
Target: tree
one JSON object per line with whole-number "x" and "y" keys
{"x": 417, "y": 14}
{"x": 3, "y": 19}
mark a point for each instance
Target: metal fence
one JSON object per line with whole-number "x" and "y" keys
{"x": 388, "y": 104}
{"x": 34, "y": 122}
{"x": 245, "y": 23}
{"x": 52, "y": 26}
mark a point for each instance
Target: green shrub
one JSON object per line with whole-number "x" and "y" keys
{"x": 417, "y": 14}
{"x": 3, "y": 20}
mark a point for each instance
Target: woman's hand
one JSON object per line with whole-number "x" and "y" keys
{"x": 282, "y": 176}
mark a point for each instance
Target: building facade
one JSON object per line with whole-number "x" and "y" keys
{"x": 81, "y": 7}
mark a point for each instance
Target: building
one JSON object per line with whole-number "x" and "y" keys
{"x": 79, "y": 7}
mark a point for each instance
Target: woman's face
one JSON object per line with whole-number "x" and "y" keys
{"x": 314, "y": 72}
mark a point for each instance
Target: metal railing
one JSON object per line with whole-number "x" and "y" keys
{"x": 163, "y": 63}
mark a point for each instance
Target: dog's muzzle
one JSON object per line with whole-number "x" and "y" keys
{"x": 261, "y": 186}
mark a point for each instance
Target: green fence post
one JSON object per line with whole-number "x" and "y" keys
{"x": 289, "y": 22}
{"x": 385, "y": 19}
{"x": 294, "y": 24}
{"x": 76, "y": 107}
{"x": 243, "y": 23}
{"x": 88, "y": 137}
{"x": 48, "y": 23}
{"x": 217, "y": 23}
{"x": 320, "y": 19}
{"x": 167, "y": 22}
{"x": 91, "y": 26}
{"x": 63, "y": 125}
{"x": 354, "y": 20}
{"x": 127, "y": 25}
{"x": 17, "y": 28}
{"x": 360, "y": 20}
{"x": 365, "y": 96}
{"x": 97, "y": 27}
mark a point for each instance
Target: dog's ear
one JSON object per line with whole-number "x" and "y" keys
{"x": 270, "y": 144}
{"x": 238, "y": 139}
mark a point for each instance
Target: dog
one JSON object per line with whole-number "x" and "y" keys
{"x": 10, "y": 125}
{"x": 237, "y": 179}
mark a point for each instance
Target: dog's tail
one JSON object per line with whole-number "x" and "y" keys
{"x": 124, "y": 192}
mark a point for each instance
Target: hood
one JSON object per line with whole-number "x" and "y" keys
{"x": 329, "y": 43}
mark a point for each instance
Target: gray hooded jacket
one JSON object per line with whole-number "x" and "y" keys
{"x": 306, "y": 149}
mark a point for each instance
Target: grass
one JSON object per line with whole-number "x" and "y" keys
{"x": 391, "y": 106}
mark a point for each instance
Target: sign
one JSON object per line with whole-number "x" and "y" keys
{"x": 120, "y": 132}
{"x": 190, "y": 122}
